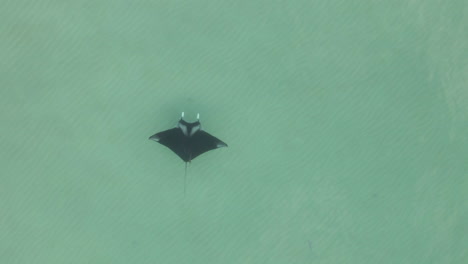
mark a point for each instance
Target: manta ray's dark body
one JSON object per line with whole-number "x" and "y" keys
{"x": 188, "y": 140}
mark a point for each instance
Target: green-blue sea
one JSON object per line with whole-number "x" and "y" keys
{"x": 347, "y": 126}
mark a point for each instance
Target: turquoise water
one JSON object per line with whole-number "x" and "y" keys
{"x": 347, "y": 126}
